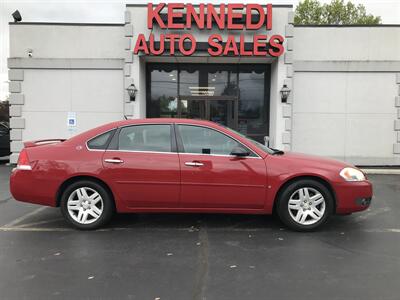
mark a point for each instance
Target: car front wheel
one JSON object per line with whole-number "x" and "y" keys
{"x": 86, "y": 205}
{"x": 305, "y": 205}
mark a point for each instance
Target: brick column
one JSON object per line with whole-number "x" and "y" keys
{"x": 17, "y": 122}
{"x": 128, "y": 80}
{"x": 287, "y": 107}
{"x": 396, "y": 145}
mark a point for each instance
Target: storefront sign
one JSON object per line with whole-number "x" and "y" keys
{"x": 180, "y": 16}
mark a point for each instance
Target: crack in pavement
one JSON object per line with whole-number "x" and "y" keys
{"x": 202, "y": 265}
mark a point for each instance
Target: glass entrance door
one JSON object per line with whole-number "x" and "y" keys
{"x": 221, "y": 111}
{"x": 234, "y": 95}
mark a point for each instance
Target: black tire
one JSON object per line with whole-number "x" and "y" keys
{"x": 108, "y": 204}
{"x": 283, "y": 202}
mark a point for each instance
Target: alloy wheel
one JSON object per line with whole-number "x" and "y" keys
{"x": 306, "y": 206}
{"x": 85, "y": 205}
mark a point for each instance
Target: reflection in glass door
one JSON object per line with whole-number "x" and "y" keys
{"x": 193, "y": 109}
{"x": 223, "y": 112}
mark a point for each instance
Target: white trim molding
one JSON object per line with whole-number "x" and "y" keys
{"x": 129, "y": 106}
{"x": 288, "y": 81}
{"x": 396, "y": 144}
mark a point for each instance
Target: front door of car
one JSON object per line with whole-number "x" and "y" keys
{"x": 213, "y": 178}
{"x": 143, "y": 166}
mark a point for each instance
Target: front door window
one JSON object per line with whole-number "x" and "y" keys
{"x": 202, "y": 140}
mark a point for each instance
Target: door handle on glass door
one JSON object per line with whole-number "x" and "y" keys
{"x": 113, "y": 160}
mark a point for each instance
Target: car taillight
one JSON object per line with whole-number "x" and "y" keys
{"x": 23, "y": 161}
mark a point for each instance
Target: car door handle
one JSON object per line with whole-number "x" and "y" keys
{"x": 194, "y": 164}
{"x": 113, "y": 160}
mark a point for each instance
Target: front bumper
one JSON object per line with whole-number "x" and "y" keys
{"x": 353, "y": 196}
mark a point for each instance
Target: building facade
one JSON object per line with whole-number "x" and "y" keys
{"x": 344, "y": 81}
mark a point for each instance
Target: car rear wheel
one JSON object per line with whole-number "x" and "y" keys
{"x": 87, "y": 205}
{"x": 305, "y": 205}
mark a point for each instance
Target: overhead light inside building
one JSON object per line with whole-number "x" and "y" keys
{"x": 202, "y": 90}
{"x": 203, "y": 94}
{"x": 202, "y": 87}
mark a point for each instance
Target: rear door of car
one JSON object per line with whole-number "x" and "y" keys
{"x": 143, "y": 165}
{"x": 213, "y": 178}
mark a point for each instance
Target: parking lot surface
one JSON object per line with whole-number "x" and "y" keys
{"x": 199, "y": 256}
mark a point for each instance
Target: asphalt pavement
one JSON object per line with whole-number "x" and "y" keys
{"x": 199, "y": 256}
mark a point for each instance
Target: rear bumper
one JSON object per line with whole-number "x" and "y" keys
{"x": 26, "y": 187}
{"x": 353, "y": 196}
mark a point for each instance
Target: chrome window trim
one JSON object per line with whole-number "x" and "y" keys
{"x": 129, "y": 125}
{"x": 142, "y": 151}
{"x": 175, "y": 152}
{"x": 223, "y": 155}
{"x": 208, "y": 127}
{"x": 159, "y": 152}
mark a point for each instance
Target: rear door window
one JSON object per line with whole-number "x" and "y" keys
{"x": 150, "y": 138}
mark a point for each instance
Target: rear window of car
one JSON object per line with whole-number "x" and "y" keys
{"x": 101, "y": 141}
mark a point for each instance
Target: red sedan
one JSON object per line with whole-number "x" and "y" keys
{"x": 180, "y": 165}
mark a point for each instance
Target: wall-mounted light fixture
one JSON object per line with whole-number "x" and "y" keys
{"x": 285, "y": 91}
{"x": 132, "y": 91}
{"x": 16, "y": 16}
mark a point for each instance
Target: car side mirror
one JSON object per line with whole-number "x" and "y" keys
{"x": 240, "y": 152}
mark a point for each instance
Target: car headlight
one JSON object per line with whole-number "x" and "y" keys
{"x": 352, "y": 174}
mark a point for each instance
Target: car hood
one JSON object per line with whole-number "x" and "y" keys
{"x": 313, "y": 160}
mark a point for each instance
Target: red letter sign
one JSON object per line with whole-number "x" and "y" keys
{"x": 141, "y": 45}
{"x": 257, "y": 7}
{"x": 154, "y": 14}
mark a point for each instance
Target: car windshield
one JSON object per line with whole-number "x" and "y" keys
{"x": 257, "y": 144}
